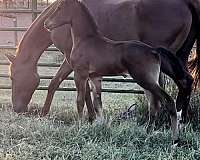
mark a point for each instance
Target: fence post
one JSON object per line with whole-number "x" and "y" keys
{"x": 28, "y": 4}
{"x": 15, "y": 32}
{"x": 34, "y": 8}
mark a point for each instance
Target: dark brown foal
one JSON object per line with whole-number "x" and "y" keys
{"x": 95, "y": 56}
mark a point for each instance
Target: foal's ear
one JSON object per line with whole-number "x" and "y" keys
{"x": 10, "y": 57}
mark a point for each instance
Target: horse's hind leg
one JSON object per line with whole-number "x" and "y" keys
{"x": 183, "y": 98}
{"x": 154, "y": 107}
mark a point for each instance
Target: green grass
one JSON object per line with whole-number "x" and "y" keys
{"x": 23, "y": 138}
{"x": 60, "y": 136}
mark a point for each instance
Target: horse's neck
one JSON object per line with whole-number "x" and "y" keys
{"x": 35, "y": 40}
{"x": 83, "y": 26}
{"x": 32, "y": 46}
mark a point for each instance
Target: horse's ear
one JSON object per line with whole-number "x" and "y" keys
{"x": 10, "y": 57}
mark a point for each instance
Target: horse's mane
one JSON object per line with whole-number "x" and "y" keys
{"x": 39, "y": 20}
{"x": 88, "y": 14}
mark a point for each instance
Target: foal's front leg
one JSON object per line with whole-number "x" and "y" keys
{"x": 80, "y": 80}
{"x": 97, "y": 102}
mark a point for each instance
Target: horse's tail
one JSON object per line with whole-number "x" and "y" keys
{"x": 194, "y": 65}
{"x": 194, "y": 62}
{"x": 173, "y": 61}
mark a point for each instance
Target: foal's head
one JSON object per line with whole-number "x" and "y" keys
{"x": 62, "y": 15}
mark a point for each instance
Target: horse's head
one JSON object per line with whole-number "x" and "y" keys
{"x": 24, "y": 82}
{"x": 62, "y": 15}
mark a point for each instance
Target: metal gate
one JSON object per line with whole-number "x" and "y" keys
{"x": 35, "y": 11}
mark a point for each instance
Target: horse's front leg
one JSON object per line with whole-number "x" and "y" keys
{"x": 80, "y": 79}
{"x": 64, "y": 70}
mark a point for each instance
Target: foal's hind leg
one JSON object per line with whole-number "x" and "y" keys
{"x": 80, "y": 79}
{"x": 154, "y": 107}
{"x": 159, "y": 93}
{"x": 148, "y": 79}
{"x": 89, "y": 103}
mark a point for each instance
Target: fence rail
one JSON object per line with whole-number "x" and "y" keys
{"x": 34, "y": 11}
{"x": 14, "y": 47}
{"x": 20, "y": 11}
{"x": 13, "y": 29}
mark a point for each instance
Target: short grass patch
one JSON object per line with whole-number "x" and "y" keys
{"x": 31, "y": 137}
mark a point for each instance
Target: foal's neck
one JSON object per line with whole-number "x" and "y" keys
{"x": 83, "y": 24}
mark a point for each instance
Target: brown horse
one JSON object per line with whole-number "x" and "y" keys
{"x": 137, "y": 22}
{"x": 93, "y": 55}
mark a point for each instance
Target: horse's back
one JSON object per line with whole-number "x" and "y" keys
{"x": 143, "y": 20}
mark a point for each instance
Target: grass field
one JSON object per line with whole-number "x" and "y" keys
{"x": 60, "y": 136}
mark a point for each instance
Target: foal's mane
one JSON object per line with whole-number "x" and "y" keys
{"x": 88, "y": 14}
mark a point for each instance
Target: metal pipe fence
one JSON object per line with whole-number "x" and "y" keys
{"x": 34, "y": 11}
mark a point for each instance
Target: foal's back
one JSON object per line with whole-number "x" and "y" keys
{"x": 107, "y": 57}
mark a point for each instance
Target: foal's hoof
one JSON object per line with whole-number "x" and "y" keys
{"x": 99, "y": 121}
{"x": 149, "y": 129}
{"x": 91, "y": 120}
{"x": 175, "y": 144}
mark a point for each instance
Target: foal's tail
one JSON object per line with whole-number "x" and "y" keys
{"x": 170, "y": 58}
{"x": 194, "y": 65}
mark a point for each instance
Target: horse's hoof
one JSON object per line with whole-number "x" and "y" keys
{"x": 43, "y": 114}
